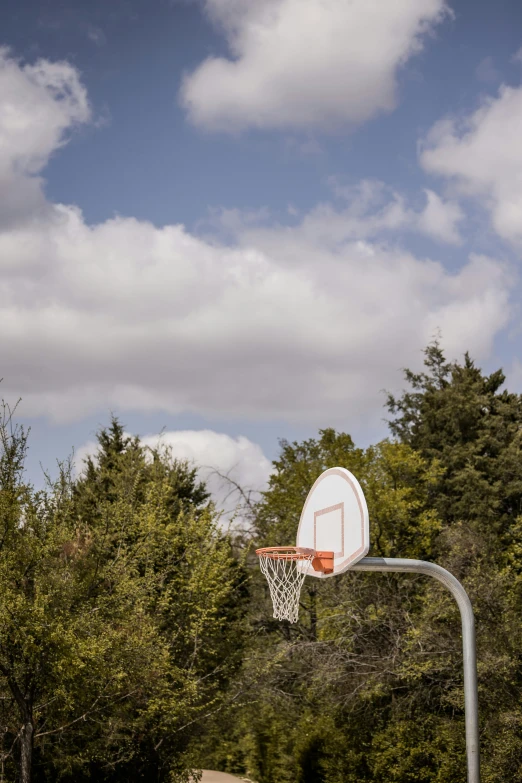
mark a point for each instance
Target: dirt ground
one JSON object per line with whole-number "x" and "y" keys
{"x": 210, "y": 776}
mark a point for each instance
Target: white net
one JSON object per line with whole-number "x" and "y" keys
{"x": 285, "y": 575}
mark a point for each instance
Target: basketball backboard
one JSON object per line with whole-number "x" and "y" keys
{"x": 335, "y": 518}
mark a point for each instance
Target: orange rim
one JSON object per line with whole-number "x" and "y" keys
{"x": 286, "y": 552}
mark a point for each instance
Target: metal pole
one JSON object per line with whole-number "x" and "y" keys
{"x": 468, "y": 642}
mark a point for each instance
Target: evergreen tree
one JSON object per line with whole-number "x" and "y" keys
{"x": 473, "y": 426}
{"x": 121, "y": 462}
{"x": 470, "y": 424}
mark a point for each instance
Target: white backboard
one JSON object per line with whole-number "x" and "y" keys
{"x": 335, "y": 518}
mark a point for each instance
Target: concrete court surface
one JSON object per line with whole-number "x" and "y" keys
{"x": 210, "y": 776}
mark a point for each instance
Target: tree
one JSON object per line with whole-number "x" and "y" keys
{"x": 121, "y": 458}
{"x": 465, "y": 419}
{"x": 74, "y": 636}
{"x": 113, "y": 626}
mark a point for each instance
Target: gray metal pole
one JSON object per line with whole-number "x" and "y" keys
{"x": 468, "y": 642}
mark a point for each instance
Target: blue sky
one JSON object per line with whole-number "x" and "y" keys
{"x": 238, "y": 221}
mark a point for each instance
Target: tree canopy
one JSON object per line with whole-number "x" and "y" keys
{"x": 137, "y": 640}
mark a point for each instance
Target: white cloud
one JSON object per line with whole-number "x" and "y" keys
{"x": 306, "y": 63}
{"x": 38, "y": 104}
{"x": 374, "y": 209}
{"x": 294, "y": 322}
{"x": 439, "y": 219}
{"x": 306, "y": 323}
{"x": 483, "y": 155}
{"x": 223, "y": 462}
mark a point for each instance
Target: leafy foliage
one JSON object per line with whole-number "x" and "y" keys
{"x": 116, "y": 616}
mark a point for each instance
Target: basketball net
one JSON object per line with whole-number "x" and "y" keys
{"x": 285, "y": 570}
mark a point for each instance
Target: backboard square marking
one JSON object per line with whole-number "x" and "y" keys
{"x": 332, "y": 518}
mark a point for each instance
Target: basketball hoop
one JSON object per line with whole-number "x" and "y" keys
{"x": 335, "y": 517}
{"x": 285, "y": 568}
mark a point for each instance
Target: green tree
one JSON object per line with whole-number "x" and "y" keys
{"x": 121, "y": 459}
{"x": 114, "y": 627}
{"x": 473, "y": 426}
{"x": 468, "y": 422}
{"x": 74, "y": 634}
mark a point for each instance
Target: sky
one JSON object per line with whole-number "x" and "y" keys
{"x": 236, "y": 222}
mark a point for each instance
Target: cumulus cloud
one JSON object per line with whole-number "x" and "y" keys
{"x": 224, "y": 463}
{"x": 300, "y": 324}
{"x": 306, "y": 64}
{"x": 306, "y": 322}
{"x": 39, "y": 103}
{"x": 482, "y": 154}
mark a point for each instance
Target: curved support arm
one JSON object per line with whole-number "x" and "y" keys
{"x": 468, "y": 642}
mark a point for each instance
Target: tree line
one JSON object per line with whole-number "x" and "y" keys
{"x": 137, "y": 641}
